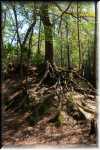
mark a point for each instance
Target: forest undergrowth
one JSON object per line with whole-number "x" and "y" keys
{"x": 58, "y": 107}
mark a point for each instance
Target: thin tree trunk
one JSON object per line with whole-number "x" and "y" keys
{"x": 16, "y": 21}
{"x": 54, "y": 28}
{"x": 39, "y": 37}
{"x": 68, "y": 56}
{"x": 18, "y": 40}
{"x": 22, "y": 45}
{"x": 30, "y": 27}
{"x": 29, "y": 50}
{"x": 28, "y": 58}
{"x": 61, "y": 49}
{"x": 95, "y": 47}
{"x": 17, "y": 50}
{"x": 28, "y": 32}
{"x": 68, "y": 50}
{"x": 78, "y": 32}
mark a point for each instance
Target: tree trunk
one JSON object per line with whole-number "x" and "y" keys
{"x": 95, "y": 47}
{"x": 38, "y": 50}
{"x": 18, "y": 40}
{"x": 16, "y": 21}
{"x": 61, "y": 50}
{"x": 78, "y": 37}
{"x": 68, "y": 51}
{"x": 48, "y": 33}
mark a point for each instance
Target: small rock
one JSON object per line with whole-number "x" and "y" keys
{"x": 18, "y": 134}
{"x": 29, "y": 128}
{"x": 55, "y": 97}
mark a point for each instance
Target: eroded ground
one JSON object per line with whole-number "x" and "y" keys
{"x": 17, "y": 130}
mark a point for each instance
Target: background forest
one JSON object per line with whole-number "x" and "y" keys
{"x": 49, "y": 48}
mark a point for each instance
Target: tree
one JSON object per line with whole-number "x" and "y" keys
{"x": 61, "y": 49}
{"x": 78, "y": 32}
{"x": 48, "y": 33}
{"x": 23, "y": 43}
{"x": 38, "y": 48}
{"x": 68, "y": 50}
{"x": 95, "y": 47}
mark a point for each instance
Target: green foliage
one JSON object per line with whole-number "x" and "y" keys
{"x": 70, "y": 103}
{"x": 37, "y": 114}
{"x": 37, "y": 59}
{"x": 9, "y": 54}
{"x": 32, "y": 119}
{"x": 10, "y": 48}
{"x": 43, "y": 109}
{"x": 71, "y": 97}
{"x": 24, "y": 16}
{"x": 61, "y": 118}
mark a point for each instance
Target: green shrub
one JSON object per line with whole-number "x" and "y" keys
{"x": 38, "y": 59}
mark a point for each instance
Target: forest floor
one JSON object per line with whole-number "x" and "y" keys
{"x": 17, "y": 130}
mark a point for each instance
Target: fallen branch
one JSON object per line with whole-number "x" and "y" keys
{"x": 12, "y": 97}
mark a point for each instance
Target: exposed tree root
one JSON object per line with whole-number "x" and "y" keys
{"x": 64, "y": 82}
{"x": 15, "y": 100}
{"x": 83, "y": 91}
{"x": 82, "y": 78}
